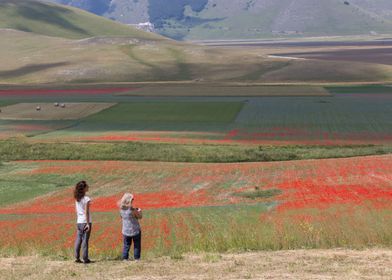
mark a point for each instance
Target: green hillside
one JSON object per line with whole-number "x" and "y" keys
{"x": 61, "y": 21}
{"x": 236, "y": 19}
{"x": 281, "y": 18}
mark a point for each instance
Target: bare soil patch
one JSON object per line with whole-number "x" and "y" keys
{"x": 299, "y": 264}
{"x": 48, "y": 111}
{"x": 298, "y": 44}
{"x": 202, "y": 90}
{"x": 372, "y": 55}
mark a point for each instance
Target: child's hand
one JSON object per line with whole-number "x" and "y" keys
{"x": 87, "y": 227}
{"x": 137, "y": 213}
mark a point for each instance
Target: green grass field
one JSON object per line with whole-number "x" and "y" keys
{"x": 6, "y": 103}
{"x": 169, "y": 152}
{"x": 205, "y": 112}
{"x": 15, "y": 189}
{"x": 370, "y": 89}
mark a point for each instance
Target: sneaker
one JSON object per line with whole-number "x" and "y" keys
{"x": 78, "y": 261}
{"x": 86, "y": 261}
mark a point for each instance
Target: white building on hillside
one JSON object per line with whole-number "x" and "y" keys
{"x": 145, "y": 26}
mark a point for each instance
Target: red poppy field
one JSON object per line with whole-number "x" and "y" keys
{"x": 202, "y": 207}
{"x": 36, "y": 92}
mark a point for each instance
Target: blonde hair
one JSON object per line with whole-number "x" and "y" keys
{"x": 126, "y": 201}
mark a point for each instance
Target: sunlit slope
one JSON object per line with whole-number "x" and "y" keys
{"x": 61, "y": 21}
{"x": 288, "y": 18}
{"x": 31, "y": 58}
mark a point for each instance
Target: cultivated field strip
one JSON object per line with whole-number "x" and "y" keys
{"x": 336, "y": 116}
{"x": 222, "y": 90}
{"x": 49, "y": 111}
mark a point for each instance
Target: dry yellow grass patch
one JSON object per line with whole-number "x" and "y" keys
{"x": 48, "y": 111}
{"x": 299, "y": 264}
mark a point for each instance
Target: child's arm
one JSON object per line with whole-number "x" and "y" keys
{"x": 137, "y": 213}
{"x": 140, "y": 214}
{"x": 87, "y": 209}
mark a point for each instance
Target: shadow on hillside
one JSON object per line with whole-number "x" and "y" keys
{"x": 47, "y": 14}
{"x": 28, "y": 69}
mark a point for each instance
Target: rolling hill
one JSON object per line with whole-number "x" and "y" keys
{"x": 29, "y": 58}
{"x": 50, "y": 43}
{"x": 234, "y": 19}
{"x": 61, "y": 21}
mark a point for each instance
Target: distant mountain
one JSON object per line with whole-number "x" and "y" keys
{"x": 61, "y": 21}
{"x": 233, "y": 19}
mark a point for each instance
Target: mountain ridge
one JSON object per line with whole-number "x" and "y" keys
{"x": 235, "y": 19}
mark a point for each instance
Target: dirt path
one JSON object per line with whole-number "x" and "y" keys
{"x": 299, "y": 264}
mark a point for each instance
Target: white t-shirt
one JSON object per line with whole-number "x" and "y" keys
{"x": 80, "y": 210}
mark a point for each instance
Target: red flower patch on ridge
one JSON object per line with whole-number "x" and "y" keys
{"x": 164, "y": 199}
{"x": 82, "y": 91}
{"x": 308, "y": 194}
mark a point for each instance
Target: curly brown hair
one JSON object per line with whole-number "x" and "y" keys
{"x": 80, "y": 190}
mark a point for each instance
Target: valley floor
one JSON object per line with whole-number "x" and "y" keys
{"x": 298, "y": 264}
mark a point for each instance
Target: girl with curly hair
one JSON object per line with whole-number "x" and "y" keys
{"x": 82, "y": 207}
